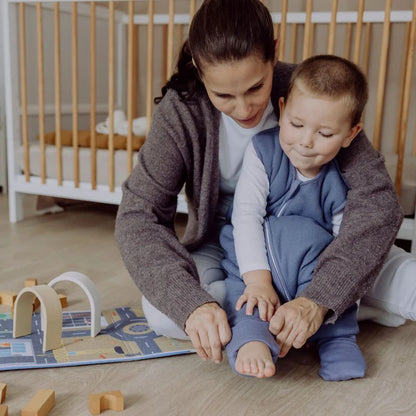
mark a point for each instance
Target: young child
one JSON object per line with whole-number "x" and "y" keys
{"x": 287, "y": 208}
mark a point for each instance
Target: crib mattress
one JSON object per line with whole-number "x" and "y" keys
{"x": 120, "y": 163}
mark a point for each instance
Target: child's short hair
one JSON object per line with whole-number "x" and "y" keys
{"x": 335, "y": 77}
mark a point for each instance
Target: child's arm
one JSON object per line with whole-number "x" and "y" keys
{"x": 259, "y": 292}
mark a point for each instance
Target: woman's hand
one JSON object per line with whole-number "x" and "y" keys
{"x": 208, "y": 328}
{"x": 295, "y": 322}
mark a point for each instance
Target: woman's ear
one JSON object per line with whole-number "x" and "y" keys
{"x": 352, "y": 135}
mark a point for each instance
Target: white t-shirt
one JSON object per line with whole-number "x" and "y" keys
{"x": 233, "y": 141}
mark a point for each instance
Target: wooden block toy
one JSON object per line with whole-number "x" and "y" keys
{"x": 89, "y": 288}
{"x": 112, "y": 400}
{"x": 63, "y": 300}
{"x": 31, "y": 282}
{"x": 3, "y": 388}
{"x": 51, "y": 317}
{"x": 4, "y": 410}
{"x": 7, "y": 298}
{"x": 40, "y": 405}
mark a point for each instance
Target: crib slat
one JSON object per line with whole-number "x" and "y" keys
{"x": 93, "y": 68}
{"x": 130, "y": 91}
{"x": 348, "y": 39}
{"x": 57, "y": 67}
{"x": 382, "y": 77}
{"x": 149, "y": 78}
{"x": 406, "y": 101}
{"x": 23, "y": 89}
{"x": 308, "y": 27}
{"x": 75, "y": 93}
{"x": 367, "y": 46}
{"x": 332, "y": 27}
{"x": 401, "y": 89}
{"x": 41, "y": 88}
{"x": 169, "y": 61}
{"x": 293, "y": 42}
{"x": 192, "y": 8}
{"x": 111, "y": 96}
{"x": 358, "y": 32}
{"x": 283, "y": 28}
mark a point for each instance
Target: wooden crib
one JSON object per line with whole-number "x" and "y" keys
{"x": 69, "y": 65}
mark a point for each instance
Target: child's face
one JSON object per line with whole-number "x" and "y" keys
{"x": 313, "y": 129}
{"x": 240, "y": 89}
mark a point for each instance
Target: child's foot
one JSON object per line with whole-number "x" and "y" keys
{"x": 341, "y": 359}
{"x": 255, "y": 359}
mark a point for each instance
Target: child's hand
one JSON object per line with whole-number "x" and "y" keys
{"x": 261, "y": 295}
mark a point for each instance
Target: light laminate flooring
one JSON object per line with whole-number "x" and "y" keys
{"x": 81, "y": 239}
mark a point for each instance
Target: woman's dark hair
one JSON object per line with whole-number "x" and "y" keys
{"x": 221, "y": 31}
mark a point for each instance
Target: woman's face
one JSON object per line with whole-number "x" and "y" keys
{"x": 240, "y": 89}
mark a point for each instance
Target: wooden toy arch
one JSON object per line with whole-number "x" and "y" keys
{"x": 51, "y": 318}
{"x": 88, "y": 286}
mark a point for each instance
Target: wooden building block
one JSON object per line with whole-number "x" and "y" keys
{"x": 7, "y": 298}
{"x": 4, "y": 410}
{"x": 63, "y": 300}
{"x": 40, "y": 405}
{"x": 3, "y": 388}
{"x": 31, "y": 282}
{"x": 113, "y": 400}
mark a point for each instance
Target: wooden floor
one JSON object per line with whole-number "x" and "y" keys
{"x": 81, "y": 239}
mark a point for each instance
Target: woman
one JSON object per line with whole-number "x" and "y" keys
{"x": 226, "y": 89}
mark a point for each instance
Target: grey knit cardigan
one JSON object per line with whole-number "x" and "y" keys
{"x": 182, "y": 148}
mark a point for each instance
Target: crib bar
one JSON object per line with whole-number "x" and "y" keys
{"x": 149, "y": 78}
{"x": 135, "y": 70}
{"x": 382, "y": 77}
{"x": 358, "y": 32}
{"x": 169, "y": 62}
{"x": 406, "y": 101}
{"x": 293, "y": 42}
{"x": 283, "y": 28}
{"x": 367, "y": 47}
{"x": 41, "y": 94}
{"x": 164, "y": 50}
{"x": 192, "y": 8}
{"x": 74, "y": 61}
{"x": 130, "y": 91}
{"x": 348, "y": 40}
{"x": 57, "y": 78}
{"x": 401, "y": 89}
{"x": 311, "y": 38}
{"x": 111, "y": 96}
{"x": 23, "y": 89}
{"x": 307, "y": 34}
{"x": 332, "y": 27}
{"x": 93, "y": 85}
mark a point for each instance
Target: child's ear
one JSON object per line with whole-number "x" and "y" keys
{"x": 281, "y": 107}
{"x": 352, "y": 135}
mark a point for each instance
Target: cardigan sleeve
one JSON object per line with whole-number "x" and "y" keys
{"x": 159, "y": 264}
{"x": 350, "y": 264}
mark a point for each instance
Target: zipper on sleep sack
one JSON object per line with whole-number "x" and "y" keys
{"x": 274, "y": 263}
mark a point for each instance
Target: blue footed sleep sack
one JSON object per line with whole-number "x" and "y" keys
{"x": 297, "y": 228}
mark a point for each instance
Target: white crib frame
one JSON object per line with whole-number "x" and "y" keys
{"x": 17, "y": 184}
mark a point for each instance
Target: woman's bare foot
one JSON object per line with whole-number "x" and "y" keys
{"x": 255, "y": 359}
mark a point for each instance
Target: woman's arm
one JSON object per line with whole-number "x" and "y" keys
{"x": 160, "y": 265}
{"x": 349, "y": 265}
